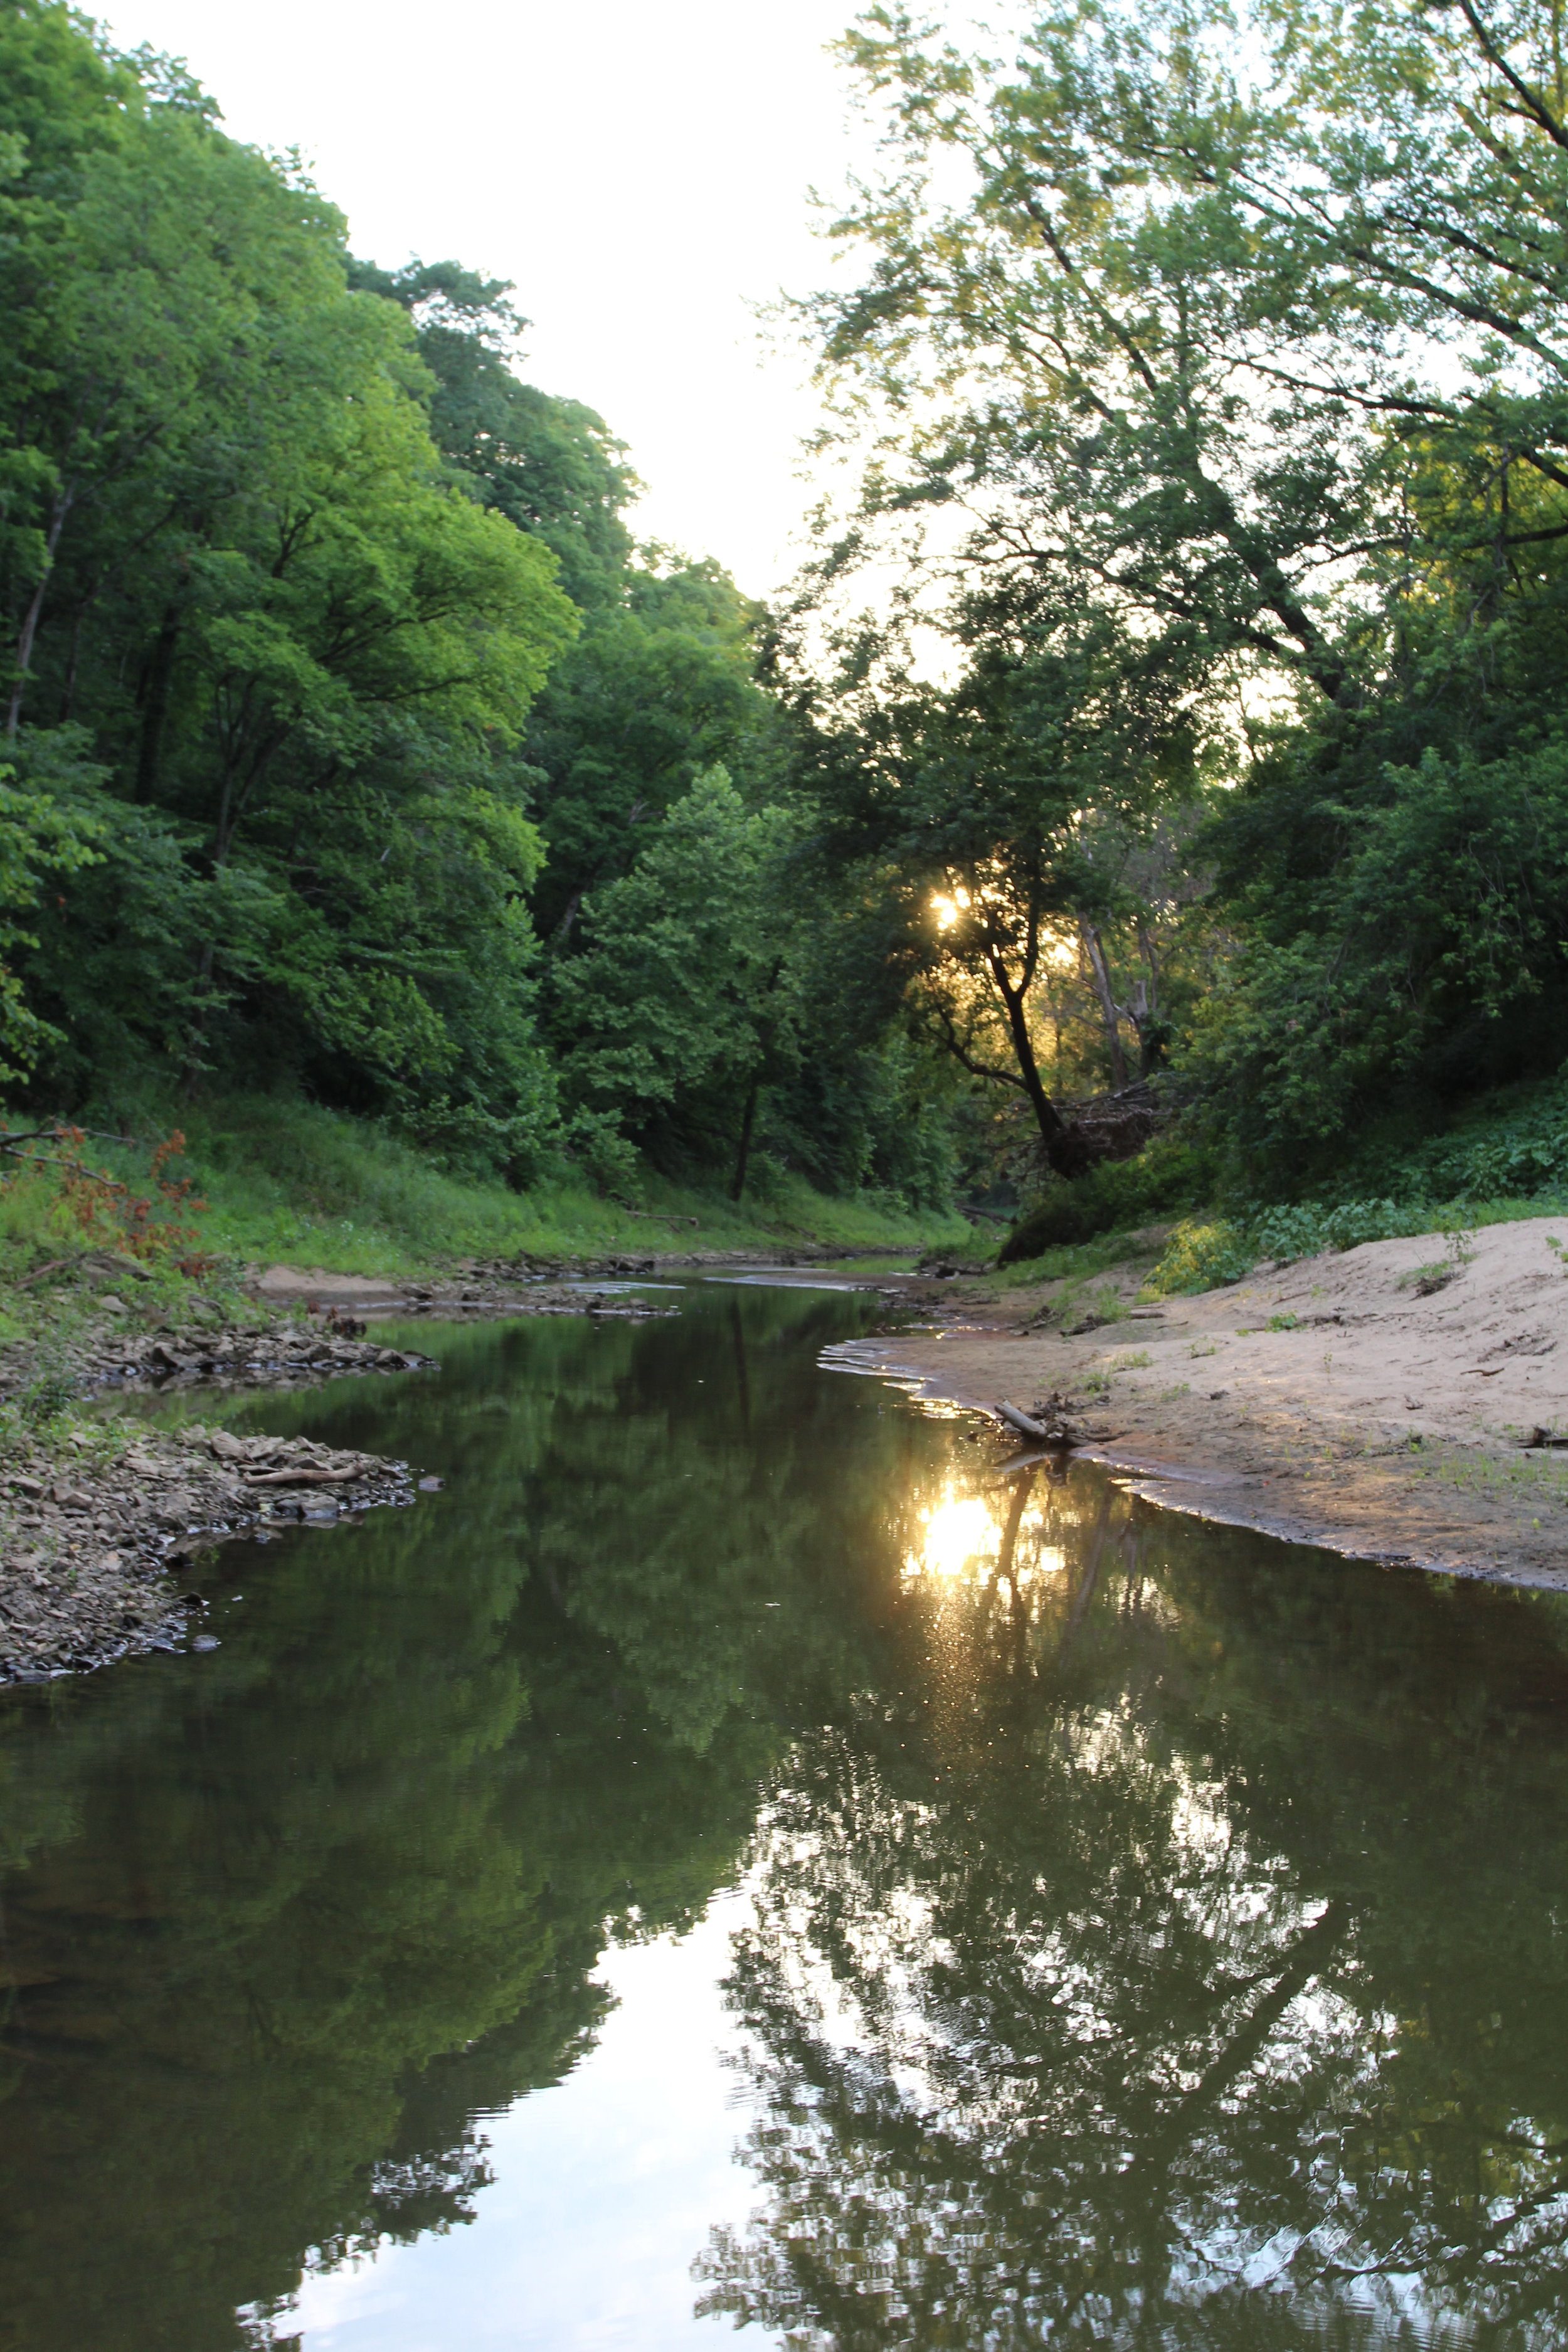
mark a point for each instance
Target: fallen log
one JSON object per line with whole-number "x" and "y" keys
{"x": 1059, "y": 1431}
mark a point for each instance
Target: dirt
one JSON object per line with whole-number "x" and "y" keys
{"x": 1410, "y": 1403}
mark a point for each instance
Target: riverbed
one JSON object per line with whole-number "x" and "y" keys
{"x": 744, "y": 1852}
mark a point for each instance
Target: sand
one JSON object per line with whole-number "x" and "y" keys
{"x": 1380, "y": 1422}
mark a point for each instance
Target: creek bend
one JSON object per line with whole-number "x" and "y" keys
{"x": 737, "y": 1853}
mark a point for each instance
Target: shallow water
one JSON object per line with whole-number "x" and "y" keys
{"x": 732, "y": 1856}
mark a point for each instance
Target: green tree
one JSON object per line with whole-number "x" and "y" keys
{"x": 980, "y": 815}
{"x": 684, "y": 993}
{"x": 550, "y": 465}
{"x": 660, "y": 687}
{"x": 298, "y": 651}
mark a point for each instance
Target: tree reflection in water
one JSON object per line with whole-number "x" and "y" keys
{"x": 1173, "y": 1956}
{"x": 1157, "y": 1933}
{"x": 280, "y": 1926}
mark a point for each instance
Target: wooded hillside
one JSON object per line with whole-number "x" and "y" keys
{"x": 1208, "y": 385}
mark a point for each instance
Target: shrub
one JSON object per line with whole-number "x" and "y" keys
{"x": 1200, "y": 1257}
{"x": 1168, "y": 1174}
{"x": 1305, "y": 1228}
{"x": 1061, "y": 1220}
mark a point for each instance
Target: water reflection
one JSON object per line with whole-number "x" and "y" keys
{"x": 1154, "y": 1936}
{"x": 278, "y": 1925}
{"x": 1178, "y": 1959}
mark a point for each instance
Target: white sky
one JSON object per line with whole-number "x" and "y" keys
{"x": 641, "y": 172}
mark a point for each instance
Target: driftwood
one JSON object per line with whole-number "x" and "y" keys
{"x": 1020, "y": 1421}
{"x": 303, "y": 1477}
{"x": 56, "y": 1129}
{"x": 1058, "y": 1431}
{"x": 1107, "y": 1127}
{"x": 112, "y": 1262}
{"x": 657, "y": 1216}
{"x": 54, "y": 1267}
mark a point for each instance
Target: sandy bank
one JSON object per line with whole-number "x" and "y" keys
{"x": 1402, "y": 1407}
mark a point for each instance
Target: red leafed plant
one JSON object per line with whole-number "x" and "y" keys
{"x": 152, "y": 1226}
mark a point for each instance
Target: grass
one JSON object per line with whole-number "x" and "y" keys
{"x": 1494, "y": 1474}
{"x": 288, "y": 1181}
{"x": 1078, "y": 1262}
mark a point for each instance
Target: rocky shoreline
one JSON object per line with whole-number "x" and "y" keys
{"x": 94, "y": 1525}
{"x": 92, "y": 1534}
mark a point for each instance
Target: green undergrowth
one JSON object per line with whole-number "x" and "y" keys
{"x": 287, "y": 1181}
{"x": 1203, "y": 1254}
{"x": 1115, "y": 1197}
{"x": 1511, "y": 1144}
{"x": 1078, "y": 1263}
{"x": 1505, "y": 1161}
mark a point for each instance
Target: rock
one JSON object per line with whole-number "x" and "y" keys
{"x": 206, "y": 1642}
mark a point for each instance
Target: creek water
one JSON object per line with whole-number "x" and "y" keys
{"x": 739, "y": 1854}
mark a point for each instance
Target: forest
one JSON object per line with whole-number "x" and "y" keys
{"x": 1187, "y": 829}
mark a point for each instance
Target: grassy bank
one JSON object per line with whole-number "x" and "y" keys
{"x": 287, "y": 1181}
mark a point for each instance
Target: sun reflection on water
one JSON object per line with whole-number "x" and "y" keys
{"x": 959, "y": 1530}
{"x": 962, "y": 1536}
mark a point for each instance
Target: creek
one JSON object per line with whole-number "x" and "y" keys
{"x": 740, "y": 1855}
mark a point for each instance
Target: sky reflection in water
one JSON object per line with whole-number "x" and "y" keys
{"x": 1087, "y": 1927}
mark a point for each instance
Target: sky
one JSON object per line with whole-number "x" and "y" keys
{"x": 640, "y": 172}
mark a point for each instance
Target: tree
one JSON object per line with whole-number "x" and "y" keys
{"x": 1261, "y": 339}
{"x": 661, "y": 686}
{"x": 550, "y": 465}
{"x": 981, "y": 813}
{"x": 684, "y": 992}
{"x": 299, "y": 654}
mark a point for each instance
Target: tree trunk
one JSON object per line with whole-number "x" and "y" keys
{"x": 1065, "y": 1149}
{"x": 191, "y": 1073}
{"x": 157, "y": 685}
{"x": 742, "y": 1157}
{"x": 1098, "y": 972}
{"x": 34, "y": 614}
{"x": 1145, "y": 1009}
